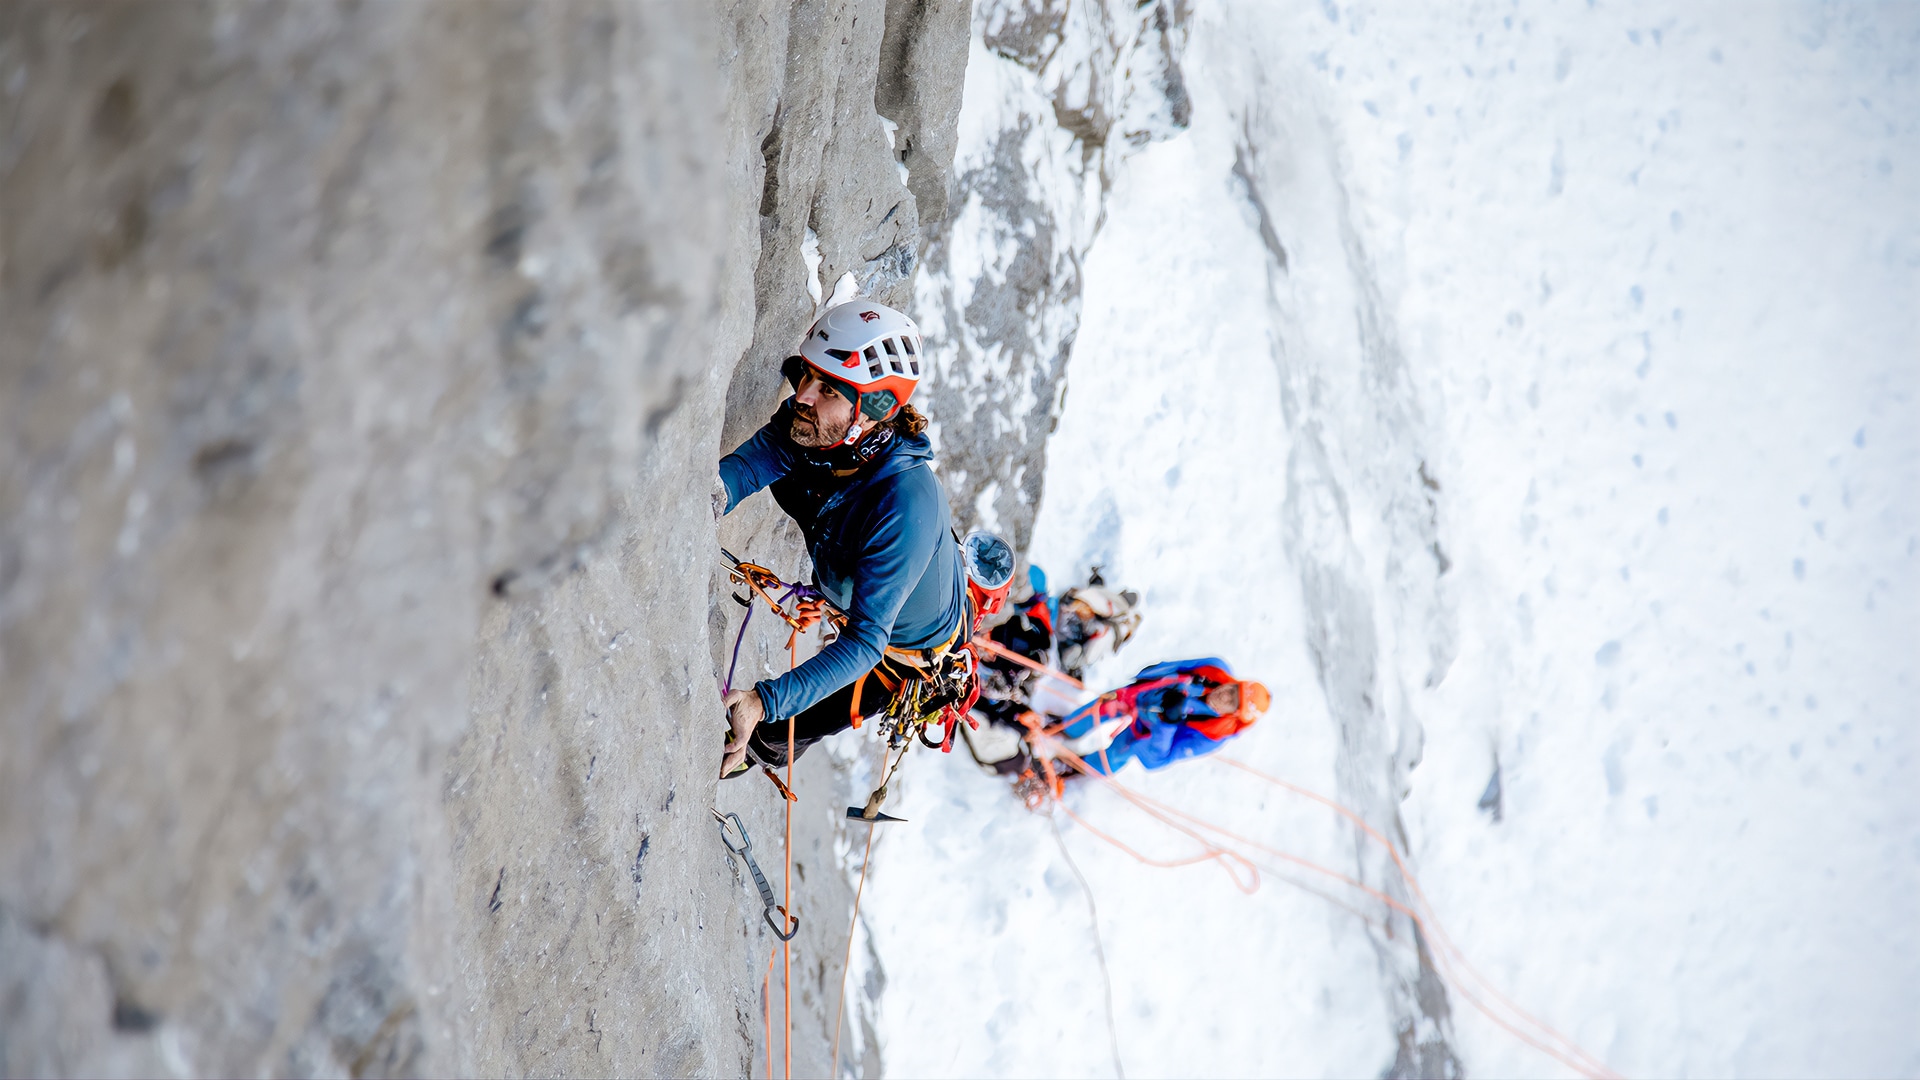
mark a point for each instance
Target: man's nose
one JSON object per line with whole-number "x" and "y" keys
{"x": 808, "y": 394}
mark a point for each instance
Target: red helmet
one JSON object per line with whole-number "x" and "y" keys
{"x": 870, "y": 347}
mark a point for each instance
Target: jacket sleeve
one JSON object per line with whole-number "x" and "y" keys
{"x": 899, "y": 542}
{"x": 759, "y": 461}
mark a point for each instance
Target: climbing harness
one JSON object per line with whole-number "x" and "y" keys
{"x": 744, "y": 849}
{"x": 930, "y": 691}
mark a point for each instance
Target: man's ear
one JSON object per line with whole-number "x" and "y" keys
{"x": 879, "y": 404}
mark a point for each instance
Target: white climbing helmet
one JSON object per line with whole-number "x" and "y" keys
{"x": 873, "y": 348}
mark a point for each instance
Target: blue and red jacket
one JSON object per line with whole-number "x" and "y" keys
{"x": 882, "y": 547}
{"x": 1171, "y": 720}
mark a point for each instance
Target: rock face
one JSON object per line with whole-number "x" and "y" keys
{"x": 1059, "y": 93}
{"x": 1360, "y": 454}
{"x": 362, "y": 371}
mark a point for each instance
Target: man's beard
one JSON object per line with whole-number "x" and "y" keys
{"x": 806, "y": 430}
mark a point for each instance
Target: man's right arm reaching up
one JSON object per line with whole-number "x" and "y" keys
{"x": 759, "y": 461}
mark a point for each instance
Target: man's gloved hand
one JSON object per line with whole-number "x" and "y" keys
{"x": 719, "y": 497}
{"x": 744, "y": 711}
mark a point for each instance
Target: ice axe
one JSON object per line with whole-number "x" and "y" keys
{"x": 870, "y": 813}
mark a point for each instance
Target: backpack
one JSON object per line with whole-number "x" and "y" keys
{"x": 1095, "y": 622}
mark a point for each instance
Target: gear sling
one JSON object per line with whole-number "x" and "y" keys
{"x": 921, "y": 688}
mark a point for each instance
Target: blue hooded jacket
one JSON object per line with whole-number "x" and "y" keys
{"x": 882, "y": 547}
{"x": 1159, "y": 734}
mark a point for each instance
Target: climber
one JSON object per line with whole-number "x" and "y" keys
{"x": 1085, "y": 625}
{"x": 1170, "y": 711}
{"x": 1094, "y": 621}
{"x": 1027, "y": 631}
{"x": 845, "y": 456}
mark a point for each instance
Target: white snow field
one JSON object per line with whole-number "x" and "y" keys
{"x": 1577, "y": 435}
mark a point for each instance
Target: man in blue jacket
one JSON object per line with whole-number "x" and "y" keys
{"x": 1175, "y": 710}
{"x": 847, "y": 459}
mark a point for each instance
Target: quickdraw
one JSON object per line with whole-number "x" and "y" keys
{"x": 744, "y": 849}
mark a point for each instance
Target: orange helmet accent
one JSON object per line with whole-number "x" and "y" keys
{"x": 1254, "y": 698}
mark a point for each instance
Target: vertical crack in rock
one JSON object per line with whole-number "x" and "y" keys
{"x": 1355, "y": 421}
{"x": 1000, "y": 298}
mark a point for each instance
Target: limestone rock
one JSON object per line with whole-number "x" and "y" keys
{"x": 362, "y": 371}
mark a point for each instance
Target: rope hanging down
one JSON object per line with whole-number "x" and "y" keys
{"x": 846, "y": 962}
{"x": 1099, "y": 950}
{"x": 761, "y": 581}
{"x": 811, "y": 608}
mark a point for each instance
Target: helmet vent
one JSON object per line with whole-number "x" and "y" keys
{"x": 915, "y": 365}
{"x": 887, "y": 344}
{"x": 907, "y": 344}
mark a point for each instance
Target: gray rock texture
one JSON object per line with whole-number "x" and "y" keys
{"x": 1068, "y": 90}
{"x": 362, "y": 371}
{"x": 1358, "y": 457}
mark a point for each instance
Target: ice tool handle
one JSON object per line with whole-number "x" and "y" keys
{"x": 744, "y": 849}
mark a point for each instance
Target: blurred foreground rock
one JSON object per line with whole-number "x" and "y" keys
{"x": 362, "y": 370}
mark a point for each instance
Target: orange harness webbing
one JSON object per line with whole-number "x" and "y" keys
{"x": 919, "y": 659}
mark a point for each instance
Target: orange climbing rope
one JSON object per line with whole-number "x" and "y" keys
{"x": 1466, "y": 980}
{"x": 1448, "y": 952}
{"x": 1453, "y": 961}
{"x": 786, "y": 947}
{"x": 1425, "y": 923}
{"x": 982, "y": 641}
{"x": 805, "y": 615}
{"x": 808, "y": 612}
{"x": 846, "y": 962}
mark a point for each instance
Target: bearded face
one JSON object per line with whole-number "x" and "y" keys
{"x": 822, "y": 412}
{"x": 1224, "y": 699}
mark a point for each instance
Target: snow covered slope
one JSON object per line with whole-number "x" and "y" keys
{"x": 1528, "y": 396}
